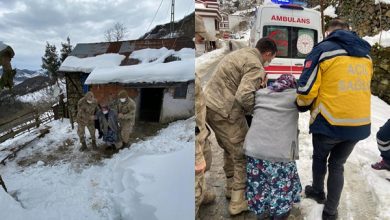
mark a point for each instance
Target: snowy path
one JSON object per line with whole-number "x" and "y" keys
{"x": 151, "y": 180}
{"x": 366, "y": 193}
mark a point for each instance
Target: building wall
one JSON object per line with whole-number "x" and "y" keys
{"x": 234, "y": 21}
{"x": 209, "y": 23}
{"x": 109, "y": 92}
{"x": 174, "y": 109}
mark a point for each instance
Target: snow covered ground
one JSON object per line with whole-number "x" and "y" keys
{"x": 153, "y": 179}
{"x": 366, "y": 192}
{"x": 48, "y": 94}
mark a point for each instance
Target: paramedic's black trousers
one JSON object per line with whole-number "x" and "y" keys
{"x": 338, "y": 151}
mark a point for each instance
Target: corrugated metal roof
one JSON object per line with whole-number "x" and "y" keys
{"x": 127, "y": 47}
{"x": 89, "y": 49}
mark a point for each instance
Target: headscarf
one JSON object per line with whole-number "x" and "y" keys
{"x": 285, "y": 81}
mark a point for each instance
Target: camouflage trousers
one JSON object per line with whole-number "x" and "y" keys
{"x": 230, "y": 134}
{"x": 81, "y": 131}
{"x": 126, "y": 128}
{"x": 200, "y": 189}
{"x": 200, "y": 182}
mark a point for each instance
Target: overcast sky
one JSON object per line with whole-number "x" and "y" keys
{"x": 27, "y": 25}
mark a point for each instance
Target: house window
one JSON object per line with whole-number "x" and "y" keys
{"x": 180, "y": 92}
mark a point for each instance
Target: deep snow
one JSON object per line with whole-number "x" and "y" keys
{"x": 151, "y": 180}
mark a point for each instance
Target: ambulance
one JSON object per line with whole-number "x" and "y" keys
{"x": 295, "y": 31}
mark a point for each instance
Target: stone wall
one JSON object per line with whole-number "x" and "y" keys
{"x": 380, "y": 84}
{"x": 368, "y": 19}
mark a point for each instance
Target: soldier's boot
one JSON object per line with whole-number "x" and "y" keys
{"x": 94, "y": 144}
{"x": 228, "y": 187}
{"x": 208, "y": 197}
{"x": 83, "y": 146}
{"x": 238, "y": 202}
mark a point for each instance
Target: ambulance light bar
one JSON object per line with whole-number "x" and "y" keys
{"x": 292, "y": 6}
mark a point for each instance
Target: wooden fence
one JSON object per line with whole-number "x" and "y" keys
{"x": 24, "y": 123}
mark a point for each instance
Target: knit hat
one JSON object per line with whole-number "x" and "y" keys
{"x": 89, "y": 96}
{"x": 123, "y": 94}
{"x": 285, "y": 81}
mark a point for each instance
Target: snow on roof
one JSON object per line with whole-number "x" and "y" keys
{"x": 177, "y": 71}
{"x": 149, "y": 72}
{"x": 382, "y": 1}
{"x": 86, "y": 65}
{"x": 384, "y": 39}
{"x": 2, "y": 46}
{"x": 330, "y": 11}
{"x": 244, "y": 11}
{"x": 149, "y": 55}
{"x": 199, "y": 5}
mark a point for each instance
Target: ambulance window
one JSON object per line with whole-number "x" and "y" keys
{"x": 280, "y": 35}
{"x": 292, "y": 42}
{"x": 304, "y": 39}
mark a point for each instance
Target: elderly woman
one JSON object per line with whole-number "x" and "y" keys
{"x": 271, "y": 146}
{"x": 108, "y": 121}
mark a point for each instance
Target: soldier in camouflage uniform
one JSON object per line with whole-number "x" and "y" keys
{"x": 202, "y": 146}
{"x": 6, "y": 54}
{"x": 230, "y": 93}
{"x": 126, "y": 114}
{"x": 86, "y": 108}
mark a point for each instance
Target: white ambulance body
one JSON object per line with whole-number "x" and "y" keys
{"x": 295, "y": 30}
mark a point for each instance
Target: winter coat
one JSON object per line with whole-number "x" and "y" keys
{"x": 273, "y": 135}
{"x": 85, "y": 111}
{"x": 6, "y": 54}
{"x": 201, "y": 131}
{"x": 127, "y": 109}
{"x": 231, "y": 89}
{"x": 335, "y": 84}
{"x": 109, "y": 124}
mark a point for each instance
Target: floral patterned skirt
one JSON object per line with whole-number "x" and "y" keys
{"x": 272, "y": 187}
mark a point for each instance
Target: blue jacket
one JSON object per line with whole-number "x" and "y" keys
{"x": 335, "y": 85}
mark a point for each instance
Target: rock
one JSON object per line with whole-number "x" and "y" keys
{"x": 384, "y": 66}
{"x": 40, "y": 163}
{"x": 385, "y": 82}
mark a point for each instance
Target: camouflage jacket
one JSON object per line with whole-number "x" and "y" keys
{"x": 200, "y": 119}
{"x": 85, "y": 111}
{"x": 127, "y": 109}
{"x": 231, "y": 89}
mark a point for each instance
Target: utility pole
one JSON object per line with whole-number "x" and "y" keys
{"x": 322, "y": 17}
{"x": 172, "y": 27}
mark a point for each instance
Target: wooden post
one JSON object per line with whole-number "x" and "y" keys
{"x": 322, "y": 17}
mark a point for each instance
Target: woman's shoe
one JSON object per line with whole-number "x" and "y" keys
{"x": 381, "y": 165}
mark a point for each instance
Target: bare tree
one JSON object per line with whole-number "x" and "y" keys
{"x": 115, "y": 33}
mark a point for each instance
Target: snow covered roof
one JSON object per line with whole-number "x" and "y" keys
{"x": 382, "y": 1}
{"x": 149, "y": 72}
{"x": 199, "y": 5}
{"x": 330, "y": 11}
{"x": 86, "y": 65}
{"x": 2, "y": 46}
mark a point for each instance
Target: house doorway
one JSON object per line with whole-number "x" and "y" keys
{"x": 151, "y": 103}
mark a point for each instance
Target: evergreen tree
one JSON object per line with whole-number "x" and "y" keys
{"x": 66, "y": 49}
{"x": 50, "y": 61}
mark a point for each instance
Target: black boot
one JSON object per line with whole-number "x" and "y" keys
{"x": 311, "y": 193}
{"x": 327, "y": 216}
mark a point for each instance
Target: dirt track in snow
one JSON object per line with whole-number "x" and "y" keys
{"x": 357, "y": 202}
